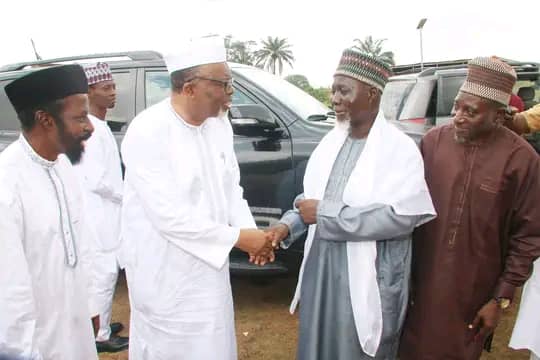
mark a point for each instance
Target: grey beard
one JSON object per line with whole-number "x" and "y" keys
{"x": 343, "y": 124}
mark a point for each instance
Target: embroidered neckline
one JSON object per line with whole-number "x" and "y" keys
{"x": 34, "y": 155}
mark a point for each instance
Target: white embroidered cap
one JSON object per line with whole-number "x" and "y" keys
{"x": 195, "y": 52}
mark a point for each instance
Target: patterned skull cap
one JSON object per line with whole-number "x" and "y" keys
{"x": 98, "y": 72}
{"x": 363, "y": 67}
{"x": 490, "y": 78}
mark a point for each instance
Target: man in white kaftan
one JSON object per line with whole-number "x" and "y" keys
{"x": 46, "y": 297}
{"x": 182, "y": 213}
{"x": 526, "y": 333}
{"x": 101, "y": 179}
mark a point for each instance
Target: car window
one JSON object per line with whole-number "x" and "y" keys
{"x": 294, "y": 98}
{"x": 529, "y": 91}
{"x": 122, "y": 113}
{"x": 157, "y": 88}
{"x": 419, "y": 101}
{"x": 448, "y": 90}
{"x": 394, "y": 96}
{"x": 8, "y": 117}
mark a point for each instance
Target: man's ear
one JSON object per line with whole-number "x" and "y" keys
{"x": 44, "y": 119}
{"x": 374, "y": 94}
{"x": 188, "y": 88}
{"x": 500, "y": 115}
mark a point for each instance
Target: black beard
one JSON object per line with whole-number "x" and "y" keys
{"x": 74, "y": 154}
{"x": 74, "y": 148}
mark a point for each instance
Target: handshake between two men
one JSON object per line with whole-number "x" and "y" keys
{"x": 260, "y": 244}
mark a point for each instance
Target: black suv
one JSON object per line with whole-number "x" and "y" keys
{"x": 276, "y": 127}
{"x": 416, "y": 100}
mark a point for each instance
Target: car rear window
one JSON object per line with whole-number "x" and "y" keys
{"x": 448, "y": 90}
{"x": 122, "y": 113}
{"x": 394, "y": 96}
{"x": 8, "y": 117}
{"x": 420, "y": 100}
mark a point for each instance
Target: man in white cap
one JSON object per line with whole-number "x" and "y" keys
{"x": 183, "y": 211}
{"x": 101, "y": 179}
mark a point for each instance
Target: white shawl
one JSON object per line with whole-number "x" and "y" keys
{"x": 389, "y": 171}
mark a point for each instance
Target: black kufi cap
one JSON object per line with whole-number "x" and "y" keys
{"x": 43, "y": 86}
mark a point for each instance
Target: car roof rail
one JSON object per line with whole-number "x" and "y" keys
{"x": 430, "y": 68}
{"x": 132, "y": 55}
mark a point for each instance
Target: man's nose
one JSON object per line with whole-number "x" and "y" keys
{"x": 334, "y": 99}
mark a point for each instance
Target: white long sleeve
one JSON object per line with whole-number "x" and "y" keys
{"x": 17, "y": 303}
{"x": 100, "y": 170}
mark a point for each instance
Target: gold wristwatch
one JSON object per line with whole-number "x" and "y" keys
{"x": 503, "y": 303}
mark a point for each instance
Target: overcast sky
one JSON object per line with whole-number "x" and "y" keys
{"x": 318, "y": 30}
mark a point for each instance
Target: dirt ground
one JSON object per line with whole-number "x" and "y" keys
{"x": 266, "y": 331}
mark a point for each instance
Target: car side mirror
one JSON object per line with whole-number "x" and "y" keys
{"x": 251, "y": 116}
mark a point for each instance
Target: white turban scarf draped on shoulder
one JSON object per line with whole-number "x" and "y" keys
{"x": 390, "y": 171}
{"x": 195, "y": 52}
{"x": 526, "y": 333}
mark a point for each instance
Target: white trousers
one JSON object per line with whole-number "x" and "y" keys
{"x": 534, "y": 357}
{"x": 106, "y": 267}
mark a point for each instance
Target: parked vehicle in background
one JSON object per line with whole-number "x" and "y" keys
{"x": 276, "y": 127}
{"x": 415, "y": 101}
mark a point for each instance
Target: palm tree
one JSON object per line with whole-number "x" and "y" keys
{"x": 274, "y": 51}
{"x": 374, "y": 48}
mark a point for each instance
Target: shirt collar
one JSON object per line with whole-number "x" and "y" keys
{"x": 34, "y": 155}
{"x": 184, "y": 122}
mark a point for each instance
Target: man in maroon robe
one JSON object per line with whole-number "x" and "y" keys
{"x": 485, "y": 185}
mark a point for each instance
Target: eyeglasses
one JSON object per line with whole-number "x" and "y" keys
{"x": 227, "y": 84}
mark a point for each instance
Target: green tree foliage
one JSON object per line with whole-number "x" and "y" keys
{"x": 375, "y": 48}
{"x": 299, "y": 80}
{"x": 322, "y": 94}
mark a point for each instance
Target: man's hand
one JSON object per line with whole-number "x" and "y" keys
{"x": 258, "y": 244}
{"x": 486, "y": 320}
{"x": 308, "y": 210}
{"x": 279, "y": 233}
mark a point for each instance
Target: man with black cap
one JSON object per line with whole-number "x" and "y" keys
{"x": 101, "y": 177}
{"x": 364, "y": 193}
{"x": 485, "y": 184}
{"x": 47, "y": 296}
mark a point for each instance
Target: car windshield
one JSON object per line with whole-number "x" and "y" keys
{"x": 394, "y": 96}
{"x": 291, "y": 96}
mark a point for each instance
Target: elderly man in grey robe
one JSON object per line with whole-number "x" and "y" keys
{"x": 364, "y": 193}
